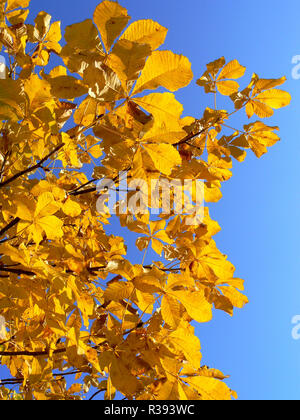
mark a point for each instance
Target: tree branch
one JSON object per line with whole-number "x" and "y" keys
{"x": 32, "y": 168}
{"x": 78, "y": 191}
{"x": 190, "y": 137}
{"x": 16, "y": 271}
{"x": 30, "y": 353}
{"x": 9, "y": 226}
{"x": 96, "y": 394}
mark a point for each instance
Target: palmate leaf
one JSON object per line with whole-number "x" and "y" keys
{"x": 127, "y": 59}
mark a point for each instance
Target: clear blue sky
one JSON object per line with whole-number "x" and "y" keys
{"x": 259, "y": 213}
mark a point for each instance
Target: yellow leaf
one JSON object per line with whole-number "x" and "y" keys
{"x": 86, "y": 305}
{"x": 163, "y": 236}
{"x": 232, "y": 70}
{"x": 146, "y": 32}
{"x": 12, "y": 95}
{"x": 157, "y": 226}
{"x": 38, "y": 91}
{"x": 36, "y": 370}
{"x": 157, "y": 246}
{"x": 92, "y": 356}
{"x": 260, "y": 137}
{"x": 147, "y": 284}
{"x": 127, "y": 59}
{"x": 118, "y": 291}
{"x": 236, "y": 298}
{"x": 265, "y": 84}
{"x": 44, "y": 186}
{"x": 87, "y": 111}
{"x": 51, "y": 225}
{"x": 275, "y": 98}
{"x": 16, "y": 17}
{"x": 258, "y": 108}
{"x": 15, "y": 4}
{"x": 96, "y": 151}
{"x": 71, "y": 208}
{"x": 166, "y": 111}
{"x": 54, "y": 34}
{"x": 83, "y": 35}
{"x": 164, "y": 156}
{"x": 75, "y": 389}
{"x": 228, "y": 87}
{"x": 195, "y": 304}
{"x": 171, "y": 311}
{"x": 188, "y": 344}
{"x": 25, "y": 208}
{"x": 121, "y": 377}
{"x": 214, "y": 67}
{"x": 111, "y": 19}
{"x": 58, "y": 71}
{"x": 67, "y": 87}
{"x": 176, "y": 280}
{"x": 46, "y": 206}
{"x": 164, "y": 68}
{"x": 210, "y": 389}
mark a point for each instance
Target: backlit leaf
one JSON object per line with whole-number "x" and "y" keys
{"x": 146, "y": 32}
{"x": 166, "y": 69}
{"x": 111, "y": 19}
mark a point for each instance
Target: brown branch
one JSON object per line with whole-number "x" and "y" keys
{"x": 82, "y": 186}
{"x": 137, "y": 327}
{"x": 190, "y": 137}
{"x": 9, "y": 226}
{"x": 30, "y": 353}
{"x": 16, "y": 381}
{"x": 59, "y": 351}
{"x": 90, "y": 190}
{"x": 78, "y": 191}
{"x": 16, "y": 271}
{"x": 32, "y": 168}
{"x": 96, "y": 394}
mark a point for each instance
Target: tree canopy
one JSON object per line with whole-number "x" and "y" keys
{"x": 72, "y": 304}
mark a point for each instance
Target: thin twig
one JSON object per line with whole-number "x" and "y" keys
{"x": 9, "y": 226}
{"x": 96, "y": 394}
{"x": 32, "y": 168}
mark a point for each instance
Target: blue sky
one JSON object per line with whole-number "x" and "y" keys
{"x": 259, "y": 212}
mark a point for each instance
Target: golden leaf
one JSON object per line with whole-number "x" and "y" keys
{"x": 146, "y": 32}
{"x": 164, "y": 68}
{"x": 111, "y": 19}
{"x": 232, "y": 70}
{"x": 195, "y": 304}
{"x": 164, "y": 156}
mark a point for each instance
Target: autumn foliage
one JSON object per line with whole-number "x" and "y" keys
{"x": 76, "y": 309}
